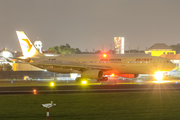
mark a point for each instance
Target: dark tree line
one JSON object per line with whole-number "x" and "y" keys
{"x": 176, "y": 48}
{"x": 5, "y": 67}
{"x": 67, "y": 49}
{"x": 64, "y": 49}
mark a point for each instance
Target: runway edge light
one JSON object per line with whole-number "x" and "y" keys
{"x": 52, "y": 84}
{"x": 84, "y": 82}
{"x": 34, "y": 91}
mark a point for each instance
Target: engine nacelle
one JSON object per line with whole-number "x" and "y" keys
{"x": 92, "y": 74}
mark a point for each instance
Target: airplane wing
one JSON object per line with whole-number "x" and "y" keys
{"x": 8, "y": 59}
{"x": 15, "y": 60}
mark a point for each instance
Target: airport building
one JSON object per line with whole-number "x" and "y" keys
{"x": 159, "y": 49}
{"x": 5, "y": 53}
{"x": 119, "y": 45}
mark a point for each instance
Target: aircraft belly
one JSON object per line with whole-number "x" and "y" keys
{"x": 134, "y": 70}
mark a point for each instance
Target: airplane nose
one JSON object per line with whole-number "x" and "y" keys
{"x": 172, "y": 66}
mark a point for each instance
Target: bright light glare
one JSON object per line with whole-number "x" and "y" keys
{"x": 34, "y": 91}
{"x": 23, "y": 57}
{"x": 73, "y": 75}
{"x": 158, "y": 75}
{"x": 84, "y": 82}
{"x": 112, "y": 75}
{"x": 160, "y": 81}
{"x": 5, "y": 54}
{"x": 52, "y": 83}
{"x": 104, "y": 55}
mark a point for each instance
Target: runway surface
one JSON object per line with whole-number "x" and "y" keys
{"x": 89, "y": 88}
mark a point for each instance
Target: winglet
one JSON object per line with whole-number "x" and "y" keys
{"x": 27, "y": 47}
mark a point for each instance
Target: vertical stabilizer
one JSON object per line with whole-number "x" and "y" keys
{"x": 27, "y": 47}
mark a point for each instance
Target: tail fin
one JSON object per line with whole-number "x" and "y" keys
{"x": 27, "y": 47}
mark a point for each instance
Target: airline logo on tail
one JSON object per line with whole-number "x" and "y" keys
{"x": 28, "y": 43}
{"x": 27, "y": 47}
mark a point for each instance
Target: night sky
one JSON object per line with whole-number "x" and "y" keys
{"x": 89, "y": 24}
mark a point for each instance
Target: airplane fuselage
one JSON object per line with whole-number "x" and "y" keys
{"x": 118, "y": 64}
{"x": 93, "y": 66}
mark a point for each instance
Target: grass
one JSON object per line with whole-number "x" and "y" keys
{"x": 89, "y": 106}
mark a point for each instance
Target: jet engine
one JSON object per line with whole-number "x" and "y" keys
{"x": 92, "y": 74}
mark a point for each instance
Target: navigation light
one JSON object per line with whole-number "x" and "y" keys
{"x": 104, "y": 55}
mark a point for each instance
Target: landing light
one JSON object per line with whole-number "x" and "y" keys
{"x": 158, "y": 75}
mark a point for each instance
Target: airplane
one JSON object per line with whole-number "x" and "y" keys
{"x": 93, "y": 66}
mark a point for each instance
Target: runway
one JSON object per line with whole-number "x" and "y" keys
{"x": 89, "y": 88}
